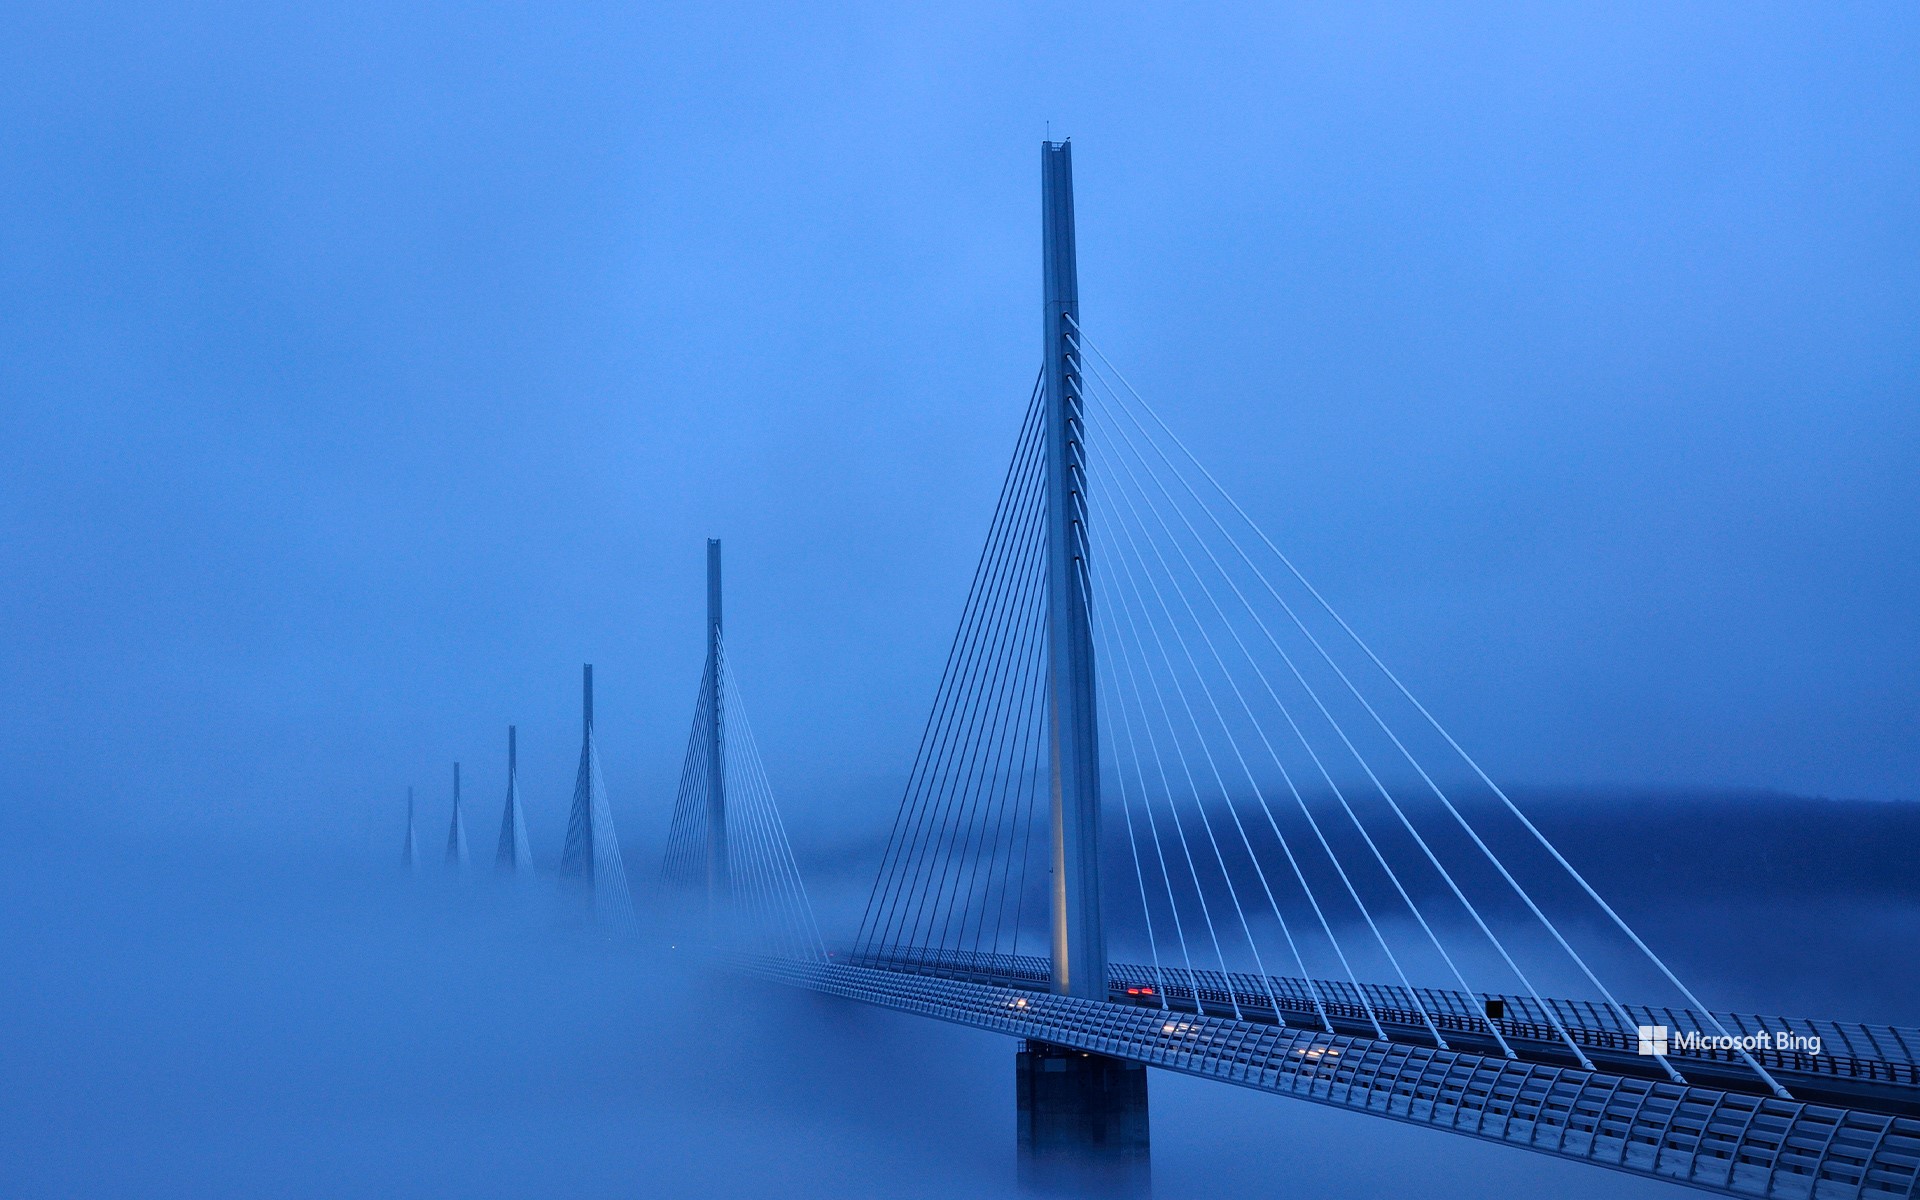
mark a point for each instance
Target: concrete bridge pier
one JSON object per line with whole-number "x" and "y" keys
{"x": 1083, "y": 1123}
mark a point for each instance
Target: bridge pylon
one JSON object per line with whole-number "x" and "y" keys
{"x": 457, "y": 854}
{"x": 590, "y": 858}
{"x": 727, "y": 850}
{"x": 408, "y": 853}
{"x": 718, "y": 877}
{"x": 1082, "y": 1117}
{"x": 1079, "y": 938}
{"x": 514, "y": 856}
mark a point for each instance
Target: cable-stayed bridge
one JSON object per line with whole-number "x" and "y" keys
{"x": 1170, "y": 809}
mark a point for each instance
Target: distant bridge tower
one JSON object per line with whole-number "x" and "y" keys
{"x": 408, "y": 854}
{"x": 457, "y": 832}
{"x": 1079, "y": 939}
{"x": 591, "y": 856}
{"x": 515, "y": 856}
{"x": 718, "y": 881}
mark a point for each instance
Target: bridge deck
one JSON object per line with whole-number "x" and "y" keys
{"x": 1717, "y": 1140}
{"x": 1874, "y": 1067}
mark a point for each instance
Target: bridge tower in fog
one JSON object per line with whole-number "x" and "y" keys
{"x": 727, "y": 847}
{"x": 713, "y": 697}
{"x": 409, "y": 855}
{"x": 457, "y": 855}
{"x": 591, "y": 857}
{"x": 515, "y": 855}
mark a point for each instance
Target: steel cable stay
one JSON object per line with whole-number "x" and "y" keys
{"x": 958, "y": 717}
{"x": 1111, "y": 656}
{"x": 1299, "y": 874}
{"x": 979, "y": 708}
{"x": 1104, "y": 601}
{"x": 777, "y": 847}
{"x": 966, "y": 916}
{"x": 1009, "y": 761}
{"x": 676, "y": 833}
{"x": 987, "y": 708}
{"x": 1133, "y": 842}
{"x": 1193, "y": 789}
{"x": 693, "y": 782}
{"x": 1117, "y": 533}
{"x": 976, "y": 789}
{"x": 952, "y": 799}
{"x": 984, "y": 762}
{"x": 1372, "y": 713}
{"x": 999, "y": 793}
{"x": 953, "y": 698}
{"x": 1025, "y": 855}
{"x": 589, "y": 781}
{"x": 689, "y": 811}
{"x": 766, "y": 900}
{"x": 1508, "y": 803}
{"x": 1386, "y": 794}
{"x": 1507, "y": 876}
{"x": 751, "y": 908}
{"x": 1028, "y": 807}
{"x": 1012, "y": 790}
{"x": 1279, "y": 763}
{"x": 1252, "y": 780}
{"x": 1018, "y": 804}
{"x": 1016, "y": 491}
{"x": 789, "y": 912}
{"x": 1133, "y": 546}
{"x": 769, "y": 912}
{"x": 955, "y": 653}
{"x": 1213, "y": 768}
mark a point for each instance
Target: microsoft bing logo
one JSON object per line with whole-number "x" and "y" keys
{"x": 1659, "y": 1040}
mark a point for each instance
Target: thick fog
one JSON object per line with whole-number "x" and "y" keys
{"x": 205, "y": 1024}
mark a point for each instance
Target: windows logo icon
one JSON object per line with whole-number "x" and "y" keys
{"x": 1653, "y": 1040}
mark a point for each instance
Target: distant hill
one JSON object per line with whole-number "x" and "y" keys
{"x": 1734, "y": 843}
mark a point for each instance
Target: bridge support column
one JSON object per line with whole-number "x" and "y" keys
{"x": 1083, "y": 1123}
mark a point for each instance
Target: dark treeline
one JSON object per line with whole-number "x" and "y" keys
{"x": 1735, "y": 843}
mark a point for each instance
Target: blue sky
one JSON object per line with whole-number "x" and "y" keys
{"x": 364, "y": 370}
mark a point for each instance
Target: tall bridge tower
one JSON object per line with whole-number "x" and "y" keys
{"x": 1082, "y": 1117}
{"x": 1079, "y": 940}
